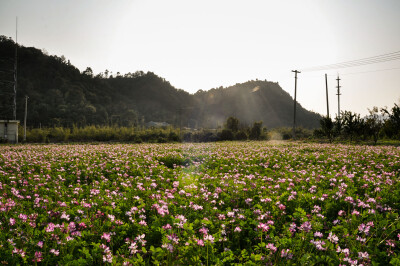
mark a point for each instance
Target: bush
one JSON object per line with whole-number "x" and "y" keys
{"x": 226, "y": 134}
{"x": 241, "y": 135}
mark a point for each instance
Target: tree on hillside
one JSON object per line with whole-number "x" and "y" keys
{"x": 88, "y": 72}
{"x": 232, "y": 123}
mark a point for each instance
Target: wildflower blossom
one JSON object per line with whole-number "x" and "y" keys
{"x": 333, "y": 238}
{"x": 106, "y": 236}
{"x": 38, "y": 257}
{"x": 363, "y": 255}
{"x": 237, "y": 229}
{"x": 286, "y": 253}
{"x": 209, "y": 238}
{"x": 271, "y": 247}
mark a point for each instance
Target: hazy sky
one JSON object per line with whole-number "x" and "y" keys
{"x": 210, "y": 43}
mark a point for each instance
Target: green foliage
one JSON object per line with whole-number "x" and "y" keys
{"x": 232, "y": 123}
{"x": 226, "y": 134}
{"x": 352, "y": 127}
{"x": 327, "y": 127}
{"x": 256, "y": 131}
{"x": 392, "y": 124}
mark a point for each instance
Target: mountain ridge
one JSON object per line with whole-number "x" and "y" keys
{"x": 61, "y": 95}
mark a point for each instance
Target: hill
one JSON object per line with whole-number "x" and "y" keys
{"x": 61, "y": 95}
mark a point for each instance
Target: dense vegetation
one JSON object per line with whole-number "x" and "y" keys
{"x": 62, "y": 96}
{"x": 200, "y": 204}
{"x": 231, "y": 130}
{"x": 351, "y": 126}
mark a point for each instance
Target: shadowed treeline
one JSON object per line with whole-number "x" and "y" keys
{"x": 62, "y": 96}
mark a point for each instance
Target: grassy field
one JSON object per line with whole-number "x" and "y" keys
{"x": 252, "y": 203}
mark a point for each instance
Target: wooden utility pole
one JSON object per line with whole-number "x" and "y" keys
{"x": 15, "y": 71}
{"x": 327, "y": 102}
{"x": 338, "y": 97}
{"x": 26, "y": 114}
{"x": 295, "y": 94}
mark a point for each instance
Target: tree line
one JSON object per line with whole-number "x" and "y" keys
{"x": 60, "y": 95}
{"x": 380, "y": 123}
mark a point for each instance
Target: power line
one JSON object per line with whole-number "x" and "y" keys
{"x": 365, "y": 61}
{"x": 359, "y": 62}
{"x": 363, "y": 72}
{"x": 355, "y": 73}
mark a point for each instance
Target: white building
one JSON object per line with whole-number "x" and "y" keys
{"x": 9, "y": 130}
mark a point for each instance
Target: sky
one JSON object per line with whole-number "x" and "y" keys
{"x": 211, "y": 43}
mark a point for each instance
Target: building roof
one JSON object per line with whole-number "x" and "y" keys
{"x": 9, "y": 121}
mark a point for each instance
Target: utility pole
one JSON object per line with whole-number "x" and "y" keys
{"x": 26, "y": 114}
{"x": 327, "y": 102}
{"x": 338, "y": 97}
{"x": 15, "y": 70}
{"x": 295, "y": 93}
{"x": 180, "y": 110}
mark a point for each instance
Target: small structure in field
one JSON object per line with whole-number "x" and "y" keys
{"x": 9, "y": 131}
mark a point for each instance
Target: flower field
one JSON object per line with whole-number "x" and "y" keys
{"x": 200, "y": 204}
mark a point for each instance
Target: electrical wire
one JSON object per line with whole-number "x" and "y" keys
{"x": 354, "y": 73}
{"x": 360, "y": 62}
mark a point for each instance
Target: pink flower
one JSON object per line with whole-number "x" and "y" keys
{"x": 209, "y": 238}
{"x": 390, "y": 243}
{"x": 333, "y": 238}
{"x": 143, "y": 223}
{"x": 40, "y": 244}
{"x": 318, "y": 234}
{"x": 82, "y": 225}
{"x": 318, "y": 244}
{"x": 167, "y": 227}
{"x": 106, "y": 236}
{"x": 271, "y": 247}
{"x": 23, "y": 217}
{"x": 306, "y": 227}
{"x": 285, "y": 253}
{"x": 200, "y": 242}
{"x": 140, "y": 239}
{"x": 12, "y": 221}
{"x": 65, "y": 216}
{"x": 133, "y": 248}
{"x": 203, "y": 230}
{"x": 237, "y": 229}
{"x": 50, "y": 227}
{"x": 263, "y": 227}
{"x": 168, "y": 247}
{"x": 108, "y": 258}
{"x": 174, "y": 238}
{"x": 38, "y": 257}
{"x": 55, "y": 252}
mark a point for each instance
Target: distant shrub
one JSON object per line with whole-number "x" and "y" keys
{"x": 241, "y": 135}
{"x": 226, "y": 134}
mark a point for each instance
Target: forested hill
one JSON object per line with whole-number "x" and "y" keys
{"x": 60, "y": 95}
